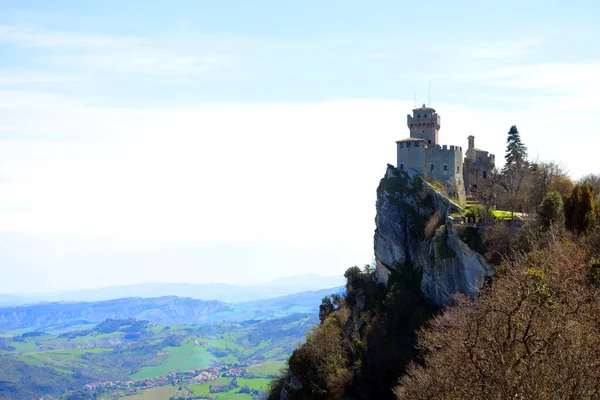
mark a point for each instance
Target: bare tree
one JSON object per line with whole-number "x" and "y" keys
{"x": 545, "y": 175}
{"x": 532, "y": 335}
{"x": 489, "y": 190}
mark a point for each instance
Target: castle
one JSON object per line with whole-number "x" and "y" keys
{"x": 422, "y": 153}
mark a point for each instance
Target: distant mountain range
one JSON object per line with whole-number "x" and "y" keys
{"x": 170, "y": 310}
{"x": 213, "y": 291}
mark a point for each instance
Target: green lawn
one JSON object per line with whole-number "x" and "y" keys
{"x": 25, "y": 347}
{"x": 233, "y": 396}
{"x": 254, "y": 383}
{"x": 182, "y": 358}
{"x": 268, "y": 368}
{"x": 229, "y": 342}
{"x": 200, "y": 390}
{"x": 502, "y": 214}
{"x": 221, "y": 382}
{"x": 159, "y": 393}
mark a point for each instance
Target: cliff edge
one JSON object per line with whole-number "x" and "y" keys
{"x": 415, "y": 237}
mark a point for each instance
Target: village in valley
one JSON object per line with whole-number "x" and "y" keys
{"x": 199, "y": 376}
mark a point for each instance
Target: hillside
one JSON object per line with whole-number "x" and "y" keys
{"x": 459, "y": 311}
{"x": 164, "y": 310}
{"x": 134, "y": 355}
{"x": 169, "y": 310}
{"x": 212, "y": 291}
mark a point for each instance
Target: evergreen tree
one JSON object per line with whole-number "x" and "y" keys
{"x": 325, "y": 308}
{"x": 588, "y": 207}
{"x": 580, "y": 208}
{"x": 516, "y": 152}
{"x": 551, "y": 209}
{"x": 571, "y": 206}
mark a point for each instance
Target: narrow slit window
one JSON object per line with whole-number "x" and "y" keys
{"x": 445, "y": 167}
{"x": 431, "y": 167}
{"x": 401, "y": 166}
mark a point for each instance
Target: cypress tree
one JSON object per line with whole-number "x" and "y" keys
{"x": 580, "y": 209}
{"x": 571, "y": 206}
{"x": 588, "y": 211}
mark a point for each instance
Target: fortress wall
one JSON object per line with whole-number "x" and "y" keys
{"x": 411, "y": 157}
{"x": 450, "y": 157}
{"x": 441, "y": 156}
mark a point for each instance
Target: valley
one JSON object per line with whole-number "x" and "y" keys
{"x": 230, "y": 351}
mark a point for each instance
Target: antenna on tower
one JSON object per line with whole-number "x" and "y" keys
{"x": 429, "y": 94}
{"x": 415, "y": 99}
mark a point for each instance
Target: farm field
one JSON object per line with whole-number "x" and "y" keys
{"x": 182, "y": 358}
{"x": 129, "y": 355}
{"x": 159, "y": 393}
{"x": 269, "y": 368}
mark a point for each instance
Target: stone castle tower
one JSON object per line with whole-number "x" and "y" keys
{"x": 424, "y": 124}
{"x": 422, "y": 153}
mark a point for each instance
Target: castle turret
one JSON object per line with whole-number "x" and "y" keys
{"x": 424, "y": 124}
{"x": 471, "y": 150}
{"x": 476, "y": 166}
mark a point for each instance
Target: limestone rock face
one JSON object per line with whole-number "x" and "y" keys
{"x": 414, "y": 238}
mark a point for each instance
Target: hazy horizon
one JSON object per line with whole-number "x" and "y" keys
{"x": 239, "y": 142}
{"x": 316, "y": 286}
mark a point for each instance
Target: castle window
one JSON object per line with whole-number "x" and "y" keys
{"x": 431, "y": 167}
{"x": 407, "y": 144}
{"x": 429, "y": 141}
{"x": 416, "y": 144}
{"x": 401, "y": 166}
{"x": 401, "y": 145}
{"x": 458, "y": 168}
{"x": 484, "y": 174}
{"x": 445, "y": 167}
{"x": 418, "y": 115}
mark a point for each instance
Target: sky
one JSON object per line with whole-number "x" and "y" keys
{"x": 239, "y": 142}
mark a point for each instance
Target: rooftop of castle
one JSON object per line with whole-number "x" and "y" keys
{"x": 412, "y": 140}
{"x": 424, "y": 108}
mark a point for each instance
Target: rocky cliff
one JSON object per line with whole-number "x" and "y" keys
{"x": 414, "y": 232}
{"x": 367, "y": 337}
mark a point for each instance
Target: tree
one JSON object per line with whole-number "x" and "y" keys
{"x": 325, "y": 308}
{"x": 516, "y": 152}
{"x": 547, "y": 176}
{"x": 580, "y": 208}
{"x": 533, "y": 334}
{"x": 515, "y": 172}
{"x": 488, "y": 190}
{"x": 551, "y": 209}
{"x": 588, "y": 207}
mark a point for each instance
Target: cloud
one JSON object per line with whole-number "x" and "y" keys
{"x": 30, "y": 36}
{"x": 498, "y": 50}
{"x": 142, "y": 60}
{"x": 381, "y": 56}
{"x": 19, "y": 79}
{"x": 109, "y": 53}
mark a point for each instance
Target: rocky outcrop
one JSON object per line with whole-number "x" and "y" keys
{"x": 413, "y": 232}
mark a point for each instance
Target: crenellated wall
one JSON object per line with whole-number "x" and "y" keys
{"x": 437, "y": 163}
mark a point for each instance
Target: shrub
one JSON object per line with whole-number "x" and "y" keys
{"x": 532, "y": 335}
{"x": 551, "y": 210}
{"x": 579, "y": 208}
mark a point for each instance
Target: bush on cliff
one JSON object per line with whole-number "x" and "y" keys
{"x": 533, "y": 334}
{"x": 362, "y": 347}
